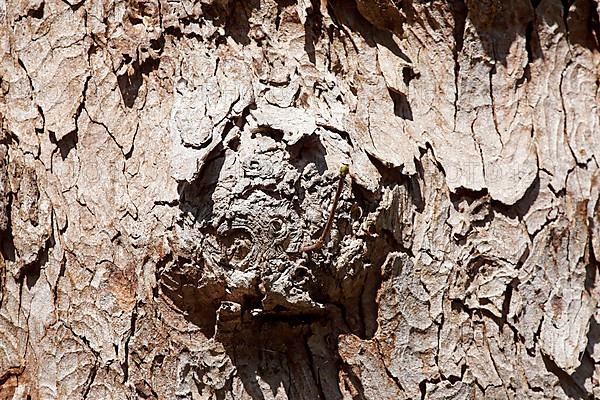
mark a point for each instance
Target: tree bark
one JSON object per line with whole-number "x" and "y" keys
{"x": 165, "y": 167}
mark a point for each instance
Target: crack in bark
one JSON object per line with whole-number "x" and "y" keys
{"x": 110, "y": 134}
{"x": 90, "y": 381}
{"x": 94, "y": 369}
{"x": 76, "y": 6}
{"x": 460, "y": 14}
{"x": 61, "y": 273}
{"x": 125, "y": 363}
{"x": 564, "y": 112}
{"x": 493, "y": 102}
{"x": 22, "y": 65}
{"x": 389, "y": 373}
{"x": 569, "y": 385}
{"x": 565, "y": 14}
{"x": 478, "y": 146}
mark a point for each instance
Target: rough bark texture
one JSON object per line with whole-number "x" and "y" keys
{"x": 163, "y": 163}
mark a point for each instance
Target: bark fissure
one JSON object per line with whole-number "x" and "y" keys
{"x": 460, "y": 16}
{"x": 493, "y": 103}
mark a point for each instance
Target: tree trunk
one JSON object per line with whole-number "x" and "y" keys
{"x": 167, "y": 166}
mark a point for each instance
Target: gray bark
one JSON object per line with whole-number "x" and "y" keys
{"x": 165, "y": 164}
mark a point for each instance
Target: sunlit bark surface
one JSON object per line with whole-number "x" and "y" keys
{"x": 165, "y": 165}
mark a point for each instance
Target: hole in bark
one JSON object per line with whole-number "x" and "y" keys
{"x": 37, "y": 13}
{"x": 532, "y": 40}
{"x": 234, "y": 144}
{"x": 423, "y": 389}
{"x": 416, "y": 194}
{"x": 459, "y": 12}
{"x": 158, "y": 44}
{"x": 308, "y": 150}
{"x": 566, "y": 10}
{"x": 135, "y": 20}
{"x": 528, "y": 38}
{"x": 275, "y": 134}
{"x": 402, "y": 107}
{"x": 408, "y": 74}
{"x": 129, "y": 85}
{"x": 300, "y": 273}
{"x": 390, "y": 174}
{"x": 151, "y": 64}
{"x": 233, "y": 17}
{"x": 196, "y": 197}
{"x": 158, "y": 360}
{"x": 31, "y": 272}
{"x": 7, "y": 245}
{"x": 66, "y": 143}
{"x": 131, "y": 81}
{"x": 582, "y": 18}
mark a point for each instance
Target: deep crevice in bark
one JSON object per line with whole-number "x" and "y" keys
{"x": 7, "y": 245}
{"x": 460, "y": 13}
{"x": 565, "y": 14}
{"x": 131, "y": 81}
{"x": 132, "y": 332}
{"x": 30, "y": 273}
{"x": 595, "y": 23}
{"x": 568, "y": 384}
{"x": 402, "y": 107}
{"x": 37, "y": 13}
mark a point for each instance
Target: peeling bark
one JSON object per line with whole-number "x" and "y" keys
{"x": 164, "y": 166}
